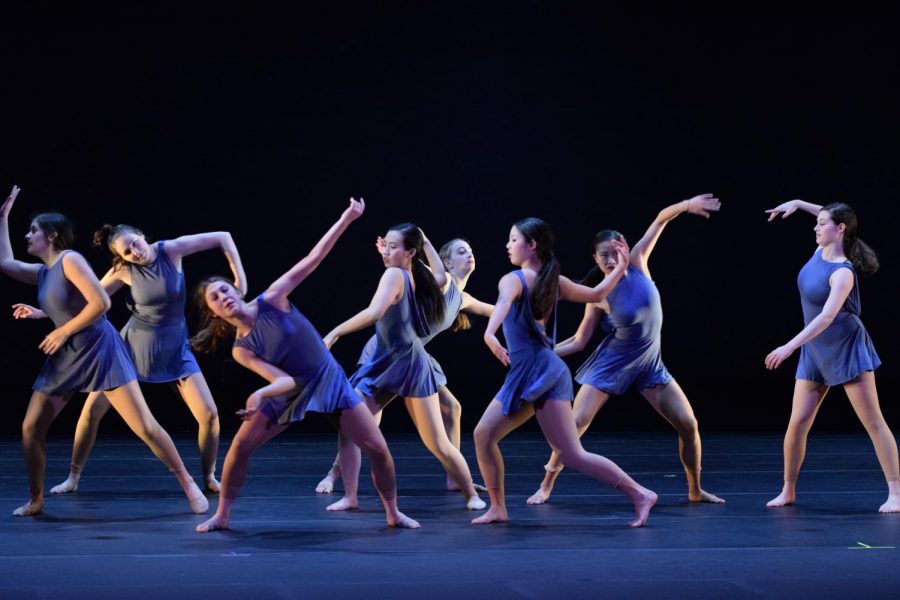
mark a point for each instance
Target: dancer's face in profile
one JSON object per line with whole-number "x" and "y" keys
{"x": 222, "y": 299}
{"x": 132, "y": 247}
{"x": 519, "y": 249}
{"x": 461, "y": 260}
{"x": 827, "y": 231}
{"x": 36, "y": 241}
{"x": 394, "y": 254}
{"x": 606, "y": 257}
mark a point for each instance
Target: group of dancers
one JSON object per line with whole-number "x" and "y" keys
{"x": 421, "y": 293}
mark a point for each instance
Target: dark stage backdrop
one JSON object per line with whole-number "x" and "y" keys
{"x": 464, "y": 119}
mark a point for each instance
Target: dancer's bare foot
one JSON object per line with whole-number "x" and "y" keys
{"x": 782, "y": 499}
{"x": 344, "y": 503}
{"x": 475, "y": 503}
{"x": 66, "y": 487}
{"x": 214, "y": 524}
{"x": 402, "y": 521}
{"x": 199, "y": 503}
{"x": 212, "y": 484}
{"x": 539, "y": 497}
{"x": 642, "y": 505}
{"x": 32, "y": 507}
{"x": 495, "y": 514}
{"x": 704, "y": 496}
{"x": 892, "y": 505}
{"x": 326, "y": 486}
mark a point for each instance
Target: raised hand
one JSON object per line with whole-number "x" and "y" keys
{"x": 10, "y": 200}
{"x": 703, "y": 204}
{"x": 622, "y": 253}
{"x": 355, "y": 210}
{"x": 24, "y": 311}
{"x": 785, "y": 210}
{"x": 380, "y": 244}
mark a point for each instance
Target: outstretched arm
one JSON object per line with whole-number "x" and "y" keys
{"x": 189, "y": 244}
{"x": 434, "y": 262}
{"x": 79, "y": 273}
{"x": 18, "y": 270}
{"x": 791, "y": 206}
{"x": 592, "y": 317}
{"x": 473, "y": 305}
{"x": 390, "y": 289}
{"x": 277, "y": 293}
{"x": 700, "y": 205}
{"x": 510, "y": 288}
{"x": 841, "y": 282}
{"x": 575, "y": 292}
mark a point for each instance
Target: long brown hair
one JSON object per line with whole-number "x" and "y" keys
{"x": 213, "y": 330}
{"x": 861, "y": 255}
{"x": 546, "y": 287}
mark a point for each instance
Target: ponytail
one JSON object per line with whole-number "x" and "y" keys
{"x": 861, "y": 255}
{"x": 428, "y": 294}
{"x": 546, "y": 287}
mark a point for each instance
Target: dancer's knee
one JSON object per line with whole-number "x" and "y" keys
{"x": 483, "y": 436}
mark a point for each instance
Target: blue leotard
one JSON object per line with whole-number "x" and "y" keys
{"x": 844, "y": 350}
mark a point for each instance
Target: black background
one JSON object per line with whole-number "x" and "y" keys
{"x": 464, "y": 118}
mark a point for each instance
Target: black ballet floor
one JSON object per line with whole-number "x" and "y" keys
{"x": 127, "y": 533}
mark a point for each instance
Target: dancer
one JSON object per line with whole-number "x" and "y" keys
{"x": 275, "y": 341}
{"x": 156, "y": 334}
{"x": 835, "y": 348}
{"x": 84, "y": 352}
{"x": 459, "y": 262}
{"x": 630, "y": 355}
{"x": 539, "y": 383}
{"x": 407, "y": 300}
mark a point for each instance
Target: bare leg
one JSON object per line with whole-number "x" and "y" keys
{"x": 200, "y": 402}
{"x": 251, "y": 435}
{"x": 42, "y": 410}
{"x": 427, "y": 416}
{"x": 131, "y": 406}
{"x": 326, "y": 484}
{"x": 669, "y": 401}
{"x": 808, "y": 396}
{"x": 350, "y": 459}
{"x": 557, "y": 421}
{"x": 95, "y": 407}
{"x": 864, "y": 398}
{"x": 360, "y": 428}
{"x": 493, "y": 427}
{"x": 588, "y": 401}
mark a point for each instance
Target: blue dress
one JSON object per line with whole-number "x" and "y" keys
{"x": 290, "y": 342}
{"x": 844, "y": 350}
{"x": 632, "y": 353}
{"x": 93, "y": 359}
{"x": 536, "y": 373}
{"x": 453, "y": 300}
{"x": 157, "y": 334}
{"x": 399, "y": 363}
